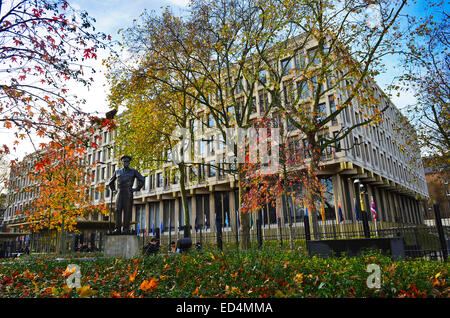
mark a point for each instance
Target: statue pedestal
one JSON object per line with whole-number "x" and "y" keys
{"x": 124, "y": 246}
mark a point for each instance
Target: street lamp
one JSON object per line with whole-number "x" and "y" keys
{"x": 360, "y": 192}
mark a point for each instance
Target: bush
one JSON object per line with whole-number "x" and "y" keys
{"x": 268, "y": 272}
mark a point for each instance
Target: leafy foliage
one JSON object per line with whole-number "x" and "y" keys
{"x": 44, "y": 44}
{"x": 270, "y": 272}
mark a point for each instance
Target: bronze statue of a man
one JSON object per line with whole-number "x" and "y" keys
{"x": 125, "y": 179}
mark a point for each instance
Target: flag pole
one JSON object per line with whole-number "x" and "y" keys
{"x": 375, "y": 216}
{"x": 339, "y": 218}
{"x": 322, "y": 212}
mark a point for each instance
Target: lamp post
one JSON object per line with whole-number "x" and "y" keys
{"x": 111, "y": 204}
{"x": 360, "y": 192}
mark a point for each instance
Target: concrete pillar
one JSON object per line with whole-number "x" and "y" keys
{"x": 176, "y": 217}
{"x": 212, "y": 210}
{"x": 232, "y": 198}
{"x": 338, "y": 194}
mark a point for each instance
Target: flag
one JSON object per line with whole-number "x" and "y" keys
{"x": 322, "y": 212}
{"x": 341, "y": 216}
{"x": 356, "y": 210}
{"x": 372, "y": 209}
{"x": 138, "y": 229}
{"x": 226, "y": 220}
{"x": 153, "y": 228}
{"x": 161, "y": 227}
{"x": 196, "y": 225}
{"x": 306, "y": 211}
{"x": 206, "y": 222}
{"x": 251, "y": 220}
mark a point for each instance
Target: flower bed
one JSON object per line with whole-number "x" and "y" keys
{"x": 270, "y": 272}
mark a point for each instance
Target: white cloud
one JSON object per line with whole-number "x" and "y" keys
{"x": 180, "y": 3}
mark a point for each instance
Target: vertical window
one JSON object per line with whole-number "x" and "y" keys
{"x": 286, "y": 66}
{"x": 322, "y": 112}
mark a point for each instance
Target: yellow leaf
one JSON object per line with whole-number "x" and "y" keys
{"x": 132, "y": 277}
{"x": 86, "y": 291}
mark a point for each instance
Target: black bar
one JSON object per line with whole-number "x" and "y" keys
{"x": 307, "y": 231}
{"x": 440, "y": 230}
{"x": 259, "y": 231}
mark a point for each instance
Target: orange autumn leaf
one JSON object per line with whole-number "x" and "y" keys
{"x": 148, "y": 285}
{"x": 132, "y": 277}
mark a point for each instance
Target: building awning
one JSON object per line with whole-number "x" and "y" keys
{"x": 9, "y": 235}
{"x": 20, "y": 224}
{"x": 94, "y": 225}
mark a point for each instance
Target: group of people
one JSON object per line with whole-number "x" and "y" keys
{"x": 154, "y": 246}
{"x": 85, "y": 248}
{"x": 5, "y": 252}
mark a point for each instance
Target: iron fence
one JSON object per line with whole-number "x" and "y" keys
{"x": 429, "y": 240}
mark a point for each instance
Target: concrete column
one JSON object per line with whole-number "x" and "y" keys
{"x": 133, "y": 217}
{"x": 212, "y": 210}
{"x": 176, "y": 219}
{"x": 161, "y": 214}
{"x": 337, "y": 194}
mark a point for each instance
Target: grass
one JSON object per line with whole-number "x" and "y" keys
{"x": 255, "y": 273}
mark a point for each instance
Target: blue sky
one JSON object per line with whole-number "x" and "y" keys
{"x": 112, "y": 15}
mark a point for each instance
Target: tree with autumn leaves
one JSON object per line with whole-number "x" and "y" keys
{"x": 294, "y": 56}
{"x": 153, "y": 114}
{"x": 59, "y": 183}
{"x": 426, "y": 62}
{"x": 44, "y": 46}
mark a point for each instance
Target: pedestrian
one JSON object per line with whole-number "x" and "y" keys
{"x": 152, "y": 247}
{"x": 173, "y": 248}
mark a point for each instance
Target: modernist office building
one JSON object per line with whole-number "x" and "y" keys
{"x": 373, "y": 154}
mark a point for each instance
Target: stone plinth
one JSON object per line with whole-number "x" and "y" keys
{"x": 124, "y": 246}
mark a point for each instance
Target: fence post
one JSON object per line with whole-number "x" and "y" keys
{"x": 440, "y": 230}
{"x": 307, "y": 231}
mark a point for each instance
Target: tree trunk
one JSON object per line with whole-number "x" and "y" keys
{"x": 287, "y": 210}
{"x": 312, "y": 179}
{"x": 62, "y": 238}
{"x": 244, "y": 218}
{"x": 187, "y": 218}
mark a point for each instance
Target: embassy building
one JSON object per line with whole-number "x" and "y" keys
{"x": 377, "y": 156}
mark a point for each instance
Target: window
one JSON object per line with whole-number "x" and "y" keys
{"x": 240, "y": 86}
{"x": 290, "y": 125}
{"x": 263, "y": 101}
{"x": 286, "y": 66}
{"x": 212, "y": 169}
{"x": 332, "y": 108}
{"x": 356, "y": 145}
{"x": 253, "y": 108}
{"x": 299, "y": 61}
{"x": 211, "y": 121}
{"x": 145, "y": 183}
{"x": 159, "y": 179}
{"x": 337, "y": 143}
{"x": 313, "y": 56}
{"x": 302, "y": 89}
{"x": 322, "y": 112}
{"x": 151, "y": 183}
{"x": 262, "y": 77}
{"x": 306, "y": 148}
